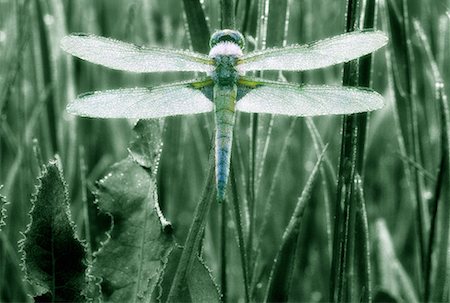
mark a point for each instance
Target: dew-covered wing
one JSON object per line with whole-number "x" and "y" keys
{"x": 182, "y": 98}
{"x": 305, "y": 100}
{"x": 319, "y": 54}
{"x": 129, "y": 57}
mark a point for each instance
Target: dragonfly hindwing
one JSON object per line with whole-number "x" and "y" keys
{"x": 282, "y": 98}
{"x": 182, "y": 98}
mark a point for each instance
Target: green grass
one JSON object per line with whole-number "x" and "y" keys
{"x": 374, "y": 226}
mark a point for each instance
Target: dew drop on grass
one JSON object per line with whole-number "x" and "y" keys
{"x": 49, "y": 19}
{"x": 427, "y": 195}
{"x": 316, "y": 296}
{"x": 3, "y": 36}
{"x": 309, "y": 165}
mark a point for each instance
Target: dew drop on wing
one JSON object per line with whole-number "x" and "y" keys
{"x": 83, "y": 95}
{"x": 80, "y": 34}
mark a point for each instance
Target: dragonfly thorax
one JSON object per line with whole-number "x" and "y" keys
{"x": 225, "y": 73}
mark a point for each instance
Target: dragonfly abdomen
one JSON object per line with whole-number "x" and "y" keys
{"x": 224, "y": 101}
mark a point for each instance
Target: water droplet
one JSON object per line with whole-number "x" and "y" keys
{"x": 2, "y": 36}
{"x": 316, "y": 296}
{"x": 427, "y": 195}
{"x": 309, "y": 165}
{"x": 49, "y": 19}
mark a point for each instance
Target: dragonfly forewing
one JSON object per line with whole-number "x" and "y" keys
{"x": 338, "y": 49}
{"x": 129, "y": 57}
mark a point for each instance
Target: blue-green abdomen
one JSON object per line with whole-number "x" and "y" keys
{"x": 224, "y": 102}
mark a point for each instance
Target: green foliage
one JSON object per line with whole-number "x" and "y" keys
{"x": 10, "y": 276}
{"x": 198, "y": 27}
{"x": 130, "y": 261}
{"x": 54, "y": 259}
{"x": 139, "y": 258}
{"x": 383, "y": 186}
{"x": 392, "y": 279}
{"x": 281, "y": 274}
{"x": 199, "y": 286}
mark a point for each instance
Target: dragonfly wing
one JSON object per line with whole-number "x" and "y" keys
{"x": 320, "y": 54}
{"x": 304, "y": 100}
{"x": 129, "y": 57}
{"x": 182, "y": 98}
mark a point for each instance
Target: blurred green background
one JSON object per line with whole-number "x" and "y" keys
{"x": 405, "y": 175}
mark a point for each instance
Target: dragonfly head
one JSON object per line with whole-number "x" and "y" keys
{"x": 227, "y": 35}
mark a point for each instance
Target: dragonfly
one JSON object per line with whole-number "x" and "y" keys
{"x": 224, "y": 88}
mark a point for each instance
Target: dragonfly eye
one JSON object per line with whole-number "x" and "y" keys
{"x": 227, "y": 35}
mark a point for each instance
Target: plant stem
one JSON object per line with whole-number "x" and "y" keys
{"x": 345, "y": 208}
{"x": 194, "y": 235}
{"x": 240, "y": 234}
{"x": 227, "y": 14}
{"x": 223, "y": 249}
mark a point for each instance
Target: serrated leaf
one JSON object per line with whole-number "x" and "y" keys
{"x": 146, "y": 148}
{"x": 129, "y": 264}
{"x": 53, "y": 256}
{"x": 200, "y": 286}
{"x": 11, "y": 285}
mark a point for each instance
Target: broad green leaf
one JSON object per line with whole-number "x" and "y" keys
{"x": 11, "y": 280}
{"x": 54, "y": 259}
{"x": 128, "y": 265}
{"x": 200, "y": 283}
{"x": 146, "y": 149}
{"x": 200, "y": 286}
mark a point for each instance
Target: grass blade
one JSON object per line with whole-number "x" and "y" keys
{"x": 282, "y": 267}
{"x": 351, "y": 154}
{"x": 198, "y": 27}
{"x": 195, "y": 233}
{"x": 240, "y": 234}
{"x": 362, "y": 245}
{"x": 391, "y": 276}
{"x": 436, "y": 288}
{"x": 403, "y": 81}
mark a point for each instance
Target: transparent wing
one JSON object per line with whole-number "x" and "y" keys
{"x": 297, "y": 100}
{"x": 320, "y": 54}
{"x": 169, "y": 100}
{"x": 129, "y": 57}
